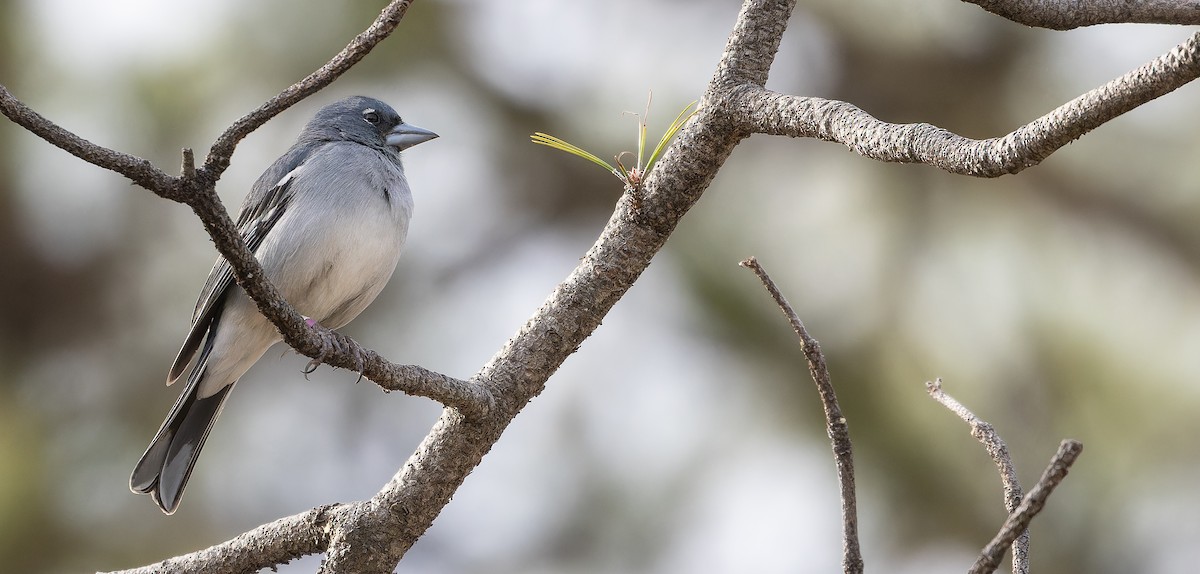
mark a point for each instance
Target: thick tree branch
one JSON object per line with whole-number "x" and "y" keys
{"x": 835, "y": 422}
{"x": 759, "y": 110}
{"x": 986, "y": 434}
{"x": 1069, "y": 14}
{"x": 406, "y": 507}
{"x": 1018, "y": 521}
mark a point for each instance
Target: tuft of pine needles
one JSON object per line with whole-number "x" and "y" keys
{"x": 631, "y": 177}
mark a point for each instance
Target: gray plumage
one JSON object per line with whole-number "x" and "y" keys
{"x": 327, "y": 222}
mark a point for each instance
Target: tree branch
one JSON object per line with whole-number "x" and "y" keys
{"x": 519, "y": 370}
{"x": 141, "y": 171}
{"x": 267, "y": 546}
{"x": 835, "y": 422}
{"x": 1018, "y": 521}
{"x": 759, "y": 110}
{"x": 986, "y": 434}
{"x": 1070, "y": 14}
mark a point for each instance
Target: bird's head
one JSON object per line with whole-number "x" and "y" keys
{"x": 367, "y": 121}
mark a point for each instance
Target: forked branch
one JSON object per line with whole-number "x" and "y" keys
{"x": 1020, "y": 511}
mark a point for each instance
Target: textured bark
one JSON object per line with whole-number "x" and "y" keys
{"x": 1069, "y": 14}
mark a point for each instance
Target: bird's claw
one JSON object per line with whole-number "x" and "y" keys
{"x": 311, "y": 366}
{"x": 330, "y": 342}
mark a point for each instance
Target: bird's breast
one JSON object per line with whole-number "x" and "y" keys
{"x": 339, "y": 242}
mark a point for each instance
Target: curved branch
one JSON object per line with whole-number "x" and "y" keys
{"x": 985, "y": 433}
{"x": 1070, "y": 14}
{"x": 760, "y": 110}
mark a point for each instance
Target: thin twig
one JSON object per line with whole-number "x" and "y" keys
{"x": 839, "y": 432}
{"x": 986, "y": 434}
{"x": 139, "y": 170}
{"x": 222, "y": 149}
{"x": 187, "y": 168}
{"x": 1018, "y": 521}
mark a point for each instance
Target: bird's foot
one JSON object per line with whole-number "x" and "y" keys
{"x": 333, "y": 342}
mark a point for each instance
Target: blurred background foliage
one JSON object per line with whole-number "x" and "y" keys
{"x": 685, "y": 435}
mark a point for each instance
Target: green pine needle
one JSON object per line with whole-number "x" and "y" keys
{"x": 633, "y": 176}
{"x": 680, "y": 119}
{"x": 559, "y": 144}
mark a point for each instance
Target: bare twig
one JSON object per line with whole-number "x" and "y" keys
{"x": 1018, "y": 521}
{"x": 759, "y": 110}
{"x": 986, "y": 434}
{"x": 187, "y": 168}
{"x": 839, "y": 432}
{"x": 1069, "y": 14}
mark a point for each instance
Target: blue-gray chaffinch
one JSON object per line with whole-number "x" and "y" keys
{"x": 327, "y": 222}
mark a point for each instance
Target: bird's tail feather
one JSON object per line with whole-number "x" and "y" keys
{"x": 164, "y": 469}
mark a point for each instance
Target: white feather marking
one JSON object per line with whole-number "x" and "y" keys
{"x": 285, "y": 179}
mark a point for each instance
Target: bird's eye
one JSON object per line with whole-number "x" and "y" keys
{"x": 371, "y": 116}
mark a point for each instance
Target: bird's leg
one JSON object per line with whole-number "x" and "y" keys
{"x": 331, "y": 341}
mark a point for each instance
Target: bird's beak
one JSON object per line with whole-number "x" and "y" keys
{"x": 405, "y": 136}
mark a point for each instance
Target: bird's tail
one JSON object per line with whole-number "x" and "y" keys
{"x": 164, "y": 469}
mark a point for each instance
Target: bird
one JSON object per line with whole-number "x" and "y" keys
{"x": 327, "y": 222}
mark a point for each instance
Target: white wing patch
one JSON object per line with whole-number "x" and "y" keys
{"x": 291, "y": 174}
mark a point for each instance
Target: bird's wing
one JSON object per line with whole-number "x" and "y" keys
{"x": 262, "y": 209}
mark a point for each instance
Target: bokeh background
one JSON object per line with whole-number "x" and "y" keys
{"x": 684, "y": 436}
